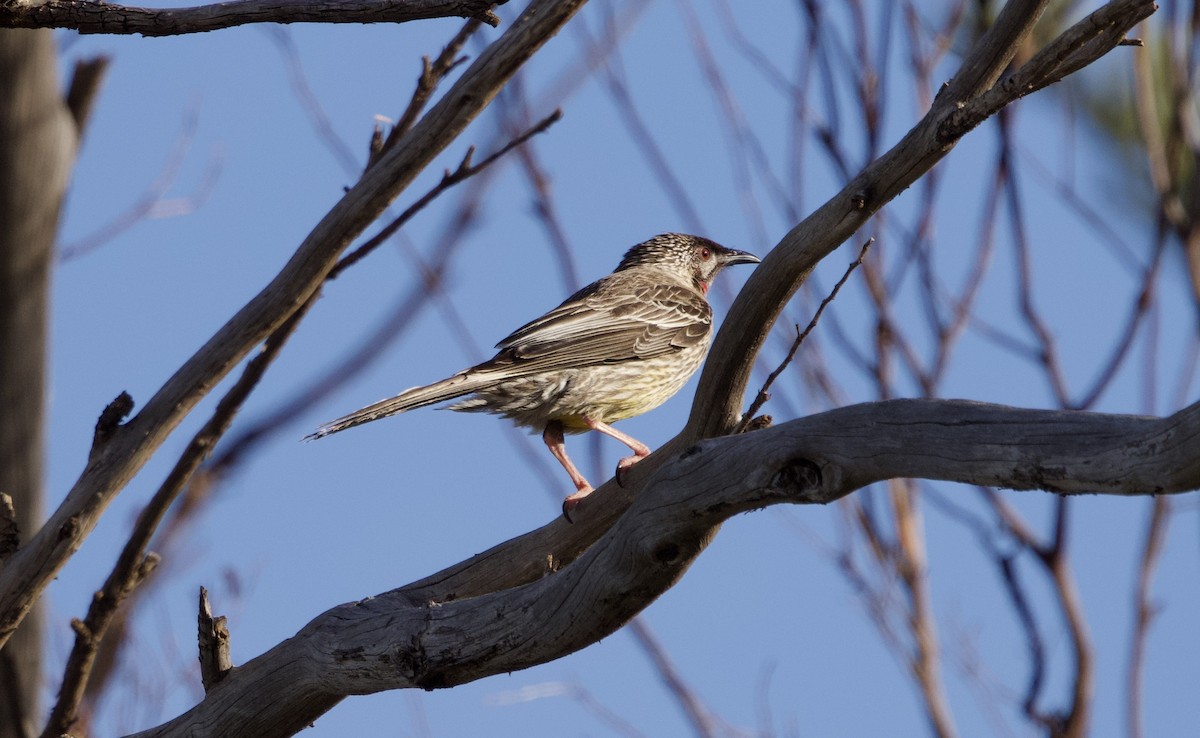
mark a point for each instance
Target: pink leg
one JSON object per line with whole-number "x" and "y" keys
{"x": 640, "y": 450}
{"x": 553, "y": 436}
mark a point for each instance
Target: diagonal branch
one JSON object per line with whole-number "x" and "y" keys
{"x": 99, "y": 17}
{"x": 129, "y": 446}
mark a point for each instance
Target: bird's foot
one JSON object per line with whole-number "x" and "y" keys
{"x": 623, "y": 466}
{"x": 572, "y": 501}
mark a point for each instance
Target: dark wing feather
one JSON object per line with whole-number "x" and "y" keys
{"x": 613, "y": 320}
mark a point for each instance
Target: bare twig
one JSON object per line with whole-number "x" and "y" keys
{"x": 1122, "y": 348}
{"x": 308, "y": 99}
{"x": 464, "y": 170}
{"x": 763, "y": 394}
{"x": 432, "y": 74}
{"x": 1073, "y": 720}
{"x": 515, "y": 107}
{"x": 1143, "y": 613}
{"x": 910, "y": 565}
{"x": 657, "y": 164}
{"x": 698, "y": 716}
{"x": 153, "y": 202}
{"x": 1047, "y": 348}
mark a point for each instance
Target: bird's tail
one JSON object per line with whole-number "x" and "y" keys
{"x": 409, "y": 399}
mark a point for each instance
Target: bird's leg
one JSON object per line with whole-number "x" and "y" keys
{"x": 553, "y": 436}
{"x": 640, "y": 450}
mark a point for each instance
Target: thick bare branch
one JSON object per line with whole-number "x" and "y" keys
{"x": 93, "y": 17}
{"x": 30, "y": 569}
{"x": 397, "y": 641}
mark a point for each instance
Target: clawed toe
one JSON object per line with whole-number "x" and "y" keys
{"x": 568, "y": 506}
{"x": 623, "y": 467}
{"x": 572, "y": 502}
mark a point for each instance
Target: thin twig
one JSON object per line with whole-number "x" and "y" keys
{"x": 697, "y": 714}
{"x": 1047, "y": 347}
{"x": 308, "y": 100}
{"x": 465, "y": 170}
{"x": 1143, "y": 613}
{"x": 514, "y": 107}
{"x": 617, "y": 85}
{"x": 154, "y": 202}
{"x": 909, "y": 563}
{"x": 763, "y": 394}
{"x": 432, "y": 74}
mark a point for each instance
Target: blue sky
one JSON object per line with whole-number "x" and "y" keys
{"x": 764, "y": 627}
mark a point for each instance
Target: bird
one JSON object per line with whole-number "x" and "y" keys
{"x": 617, "y": 348}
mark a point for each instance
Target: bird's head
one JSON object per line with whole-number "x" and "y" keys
{"x": 694, "y": 258}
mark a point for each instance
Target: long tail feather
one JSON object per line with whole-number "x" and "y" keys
{"x": 410, "y": 399}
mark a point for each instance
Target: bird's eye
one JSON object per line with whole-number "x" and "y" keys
{"x": 705, "y": 253}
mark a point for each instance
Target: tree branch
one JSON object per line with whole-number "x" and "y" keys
{"x": 99, "y": 17}
{"x": 31, "y": 568}
{"x": 398, "y": 640}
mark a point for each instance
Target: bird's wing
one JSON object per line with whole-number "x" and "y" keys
{"x": 611, "y": 321}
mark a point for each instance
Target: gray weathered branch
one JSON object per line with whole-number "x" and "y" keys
{"x": 399, "y": 640}
{"x": 88, "y": 16}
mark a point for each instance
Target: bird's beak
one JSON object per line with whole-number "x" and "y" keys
{"x": 733, "y": 256}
